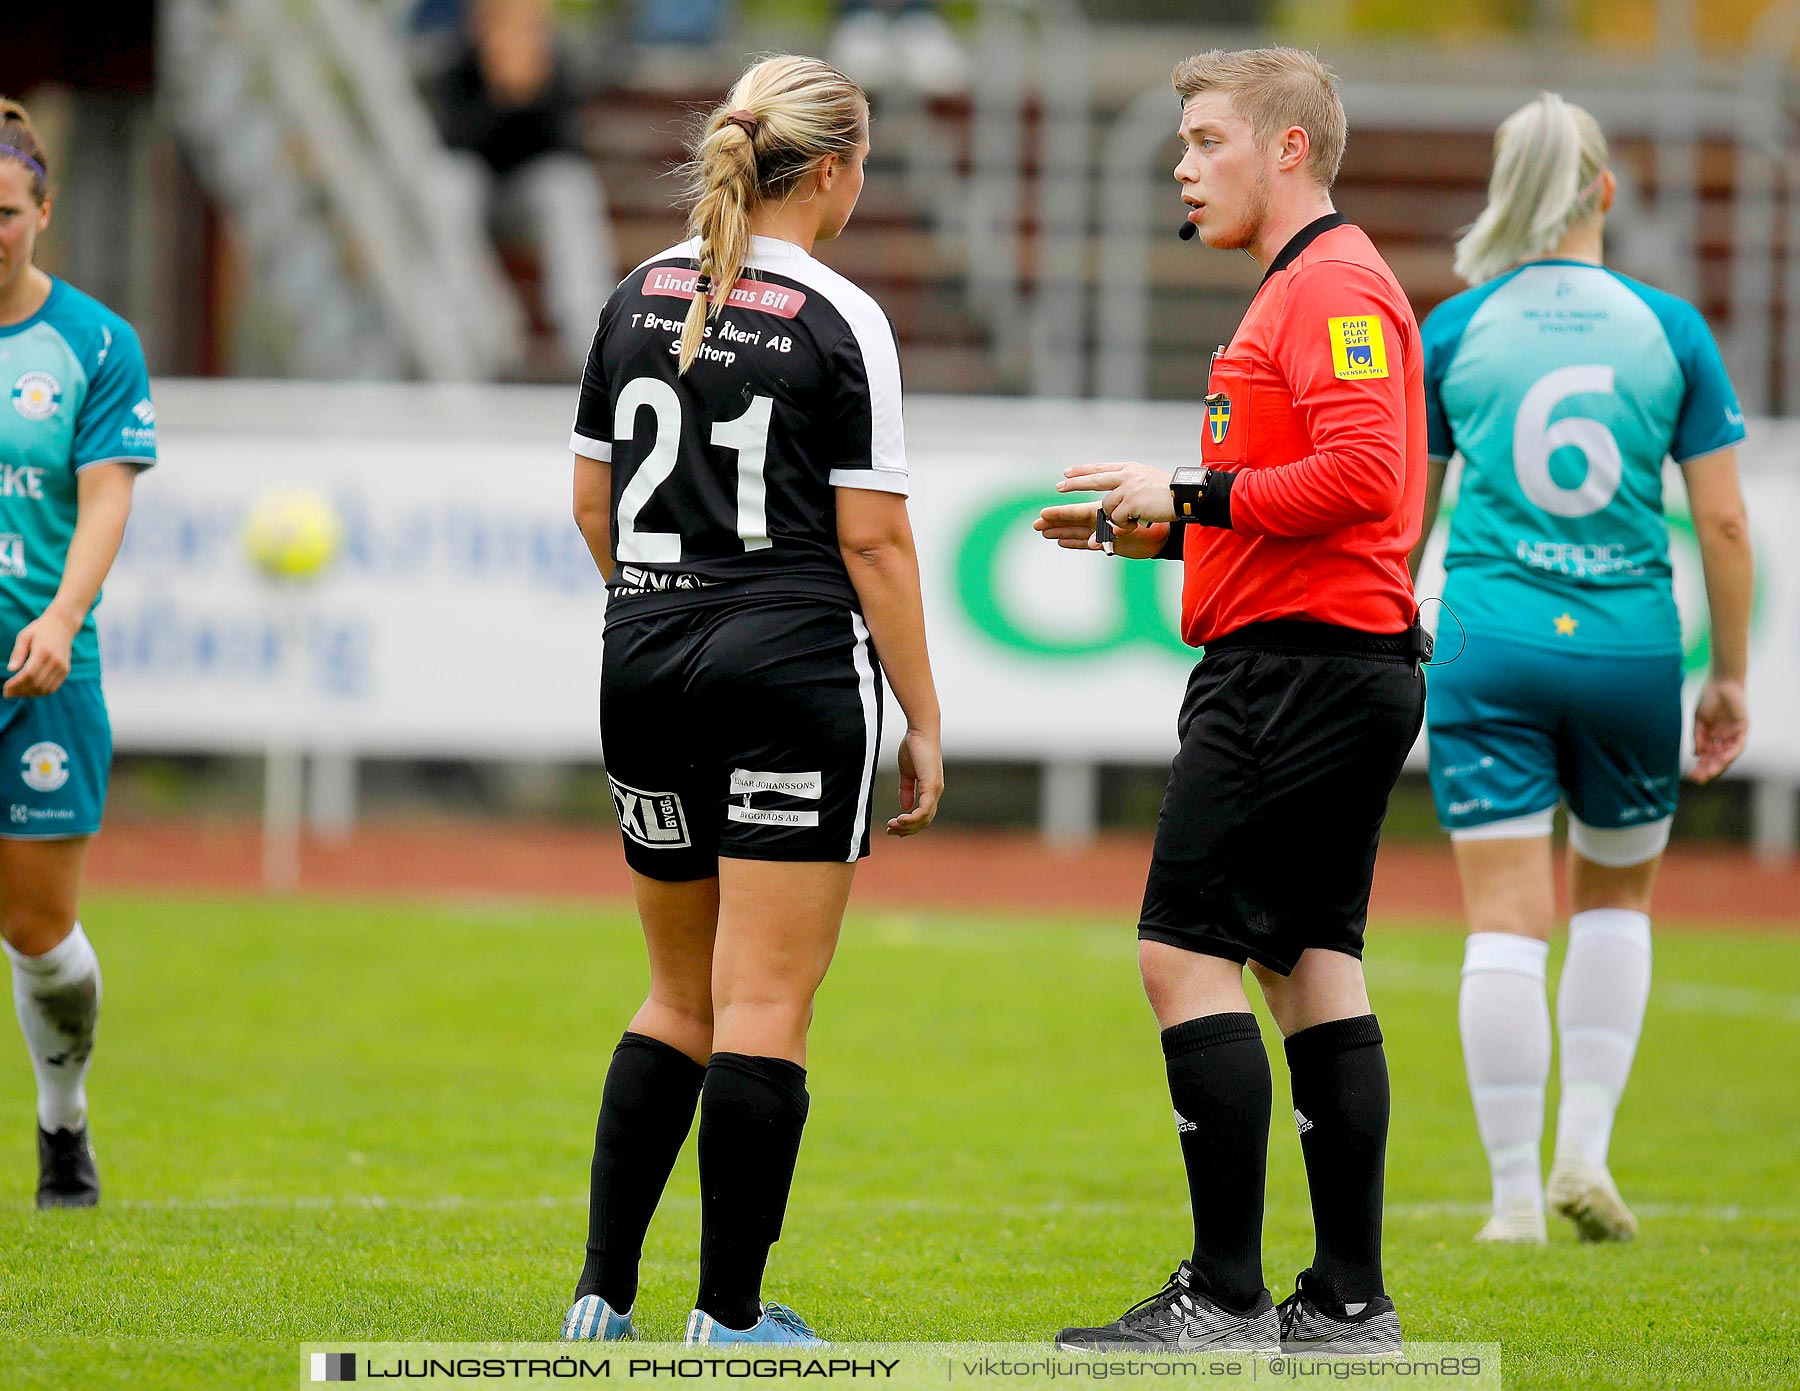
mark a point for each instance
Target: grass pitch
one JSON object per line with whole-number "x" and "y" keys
{"x": 361, "y": 1122}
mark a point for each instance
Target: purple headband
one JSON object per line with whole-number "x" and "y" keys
{"x": 26, "y": 159}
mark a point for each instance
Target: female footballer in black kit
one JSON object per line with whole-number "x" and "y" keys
{"x": 740, "y": 476}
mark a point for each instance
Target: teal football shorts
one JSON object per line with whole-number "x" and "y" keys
{"x": 1515, "y": 729}
{"x": 55, "y": 755}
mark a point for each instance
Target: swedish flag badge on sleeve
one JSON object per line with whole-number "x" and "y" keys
{"x": 1357, "y": 347}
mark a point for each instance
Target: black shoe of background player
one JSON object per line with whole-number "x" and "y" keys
{"x": 1178, "y": 1318}
{"x": 66, "y": 1173}
{"x": 1311, "y": 1323}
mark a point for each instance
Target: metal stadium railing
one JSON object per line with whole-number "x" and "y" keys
{"x": 1023, "y": 240}
{"x": 304, "y": 124}
{"x": 1656, "y": 235}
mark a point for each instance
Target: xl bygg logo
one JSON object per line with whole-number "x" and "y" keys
{"x": 654, "y": 820}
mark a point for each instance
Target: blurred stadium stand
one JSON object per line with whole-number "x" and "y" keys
{"x": 894, "y": 251}
{"x": 1021, "y": 236}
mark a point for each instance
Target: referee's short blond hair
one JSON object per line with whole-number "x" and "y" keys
{"x": 1273, "y": 89}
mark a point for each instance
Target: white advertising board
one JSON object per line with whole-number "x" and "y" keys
{"x": 463, "y": 617}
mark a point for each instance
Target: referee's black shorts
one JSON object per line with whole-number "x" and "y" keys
{"x": 1292, "y": 736}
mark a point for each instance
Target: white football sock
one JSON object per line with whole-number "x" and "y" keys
{"x": 1599, "y": 1015}
{"x": 57, "y": 996}
{"x": 1506, "y": 1048}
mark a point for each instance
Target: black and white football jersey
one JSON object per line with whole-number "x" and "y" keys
{"x": 723, "y": 480}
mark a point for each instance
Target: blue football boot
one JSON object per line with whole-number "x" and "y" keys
{"x": 593, "y": 1320}
{"x": 778, "y": 1324}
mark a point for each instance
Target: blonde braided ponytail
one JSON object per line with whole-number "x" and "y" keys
{"x": 783, "y": 116}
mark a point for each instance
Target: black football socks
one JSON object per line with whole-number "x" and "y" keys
{"x": 1219, "y": 1084}
{"x": 752, "y": 1111}
{"x": 1340, "y": 1082}
{"x": 646, "y": 1109}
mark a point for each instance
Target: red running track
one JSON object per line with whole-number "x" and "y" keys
{"x": 943, "y": 869}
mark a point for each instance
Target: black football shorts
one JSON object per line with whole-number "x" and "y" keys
{"x": 1292, "y": 737}
{"x": 745, "y": 729}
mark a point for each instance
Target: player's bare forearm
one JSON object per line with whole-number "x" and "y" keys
{"x": 1722, "y": 529}
{"x": 876, "y": 541}
{"x": 103, "y": 505}
{"x": 1730, "y": 570}
{"x": 593, "y": 510}
{"x": 885, "y": 575}
{"x": 41, "y": 653}
{"x": 597, "y": 532}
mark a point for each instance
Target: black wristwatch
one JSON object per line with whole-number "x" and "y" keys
{"x": 1202, "y": 495}
{"x": 1187, "y": 485}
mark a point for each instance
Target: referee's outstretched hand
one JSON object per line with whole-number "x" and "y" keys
{"x": 921, "y": 782}
{"x": 1137, "y": 501}
{"x": 1136, "y": 494}
{"x": 1071, "y": 526}
{"x": 1721, "y": 726}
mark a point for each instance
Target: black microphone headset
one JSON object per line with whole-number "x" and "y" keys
{"x": 1188, "y": 231}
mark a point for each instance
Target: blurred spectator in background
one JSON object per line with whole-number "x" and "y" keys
{"x": 680, "y": 23}
{"x": 428, "y": 16}
{"x": 884, "y": 43}
{"x": 879, "y": 44}
{"x": 506, "y": 107}
{"x": 673, "y": 43}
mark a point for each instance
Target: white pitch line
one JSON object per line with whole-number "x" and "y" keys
{"x": 1411, "y": 977}
{"x": 336, "y": 1202}
{"x": 1735, "y": 1001}
{"x": 1681, "y": 997}
{"x": 1730, "y": 1212}
{"x": 1721, "y": 1212}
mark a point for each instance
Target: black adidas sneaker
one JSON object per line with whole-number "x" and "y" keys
{"x": 1311, "y": 1324}
{"x": 66, "y": 1173}
{"x": 1180, "y": 1319}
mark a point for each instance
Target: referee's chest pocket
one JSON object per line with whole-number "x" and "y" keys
{"x": 1225, "y": 438}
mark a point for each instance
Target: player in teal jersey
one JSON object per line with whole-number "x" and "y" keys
{"x": 76, "y": 426}
{"x": 1564, "y": 387}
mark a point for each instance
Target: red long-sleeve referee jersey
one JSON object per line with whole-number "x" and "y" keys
{"x": 1318, "y": 409}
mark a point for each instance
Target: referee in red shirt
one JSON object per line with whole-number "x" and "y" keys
{"x": 1294, "y": 532}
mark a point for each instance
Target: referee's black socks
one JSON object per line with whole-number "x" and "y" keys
{"x": 1340, "y": 1083}
{"x": 752, "y": 1111}
{"x": 646, "y": 1110}
{"x": 1219, "y": 1084}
